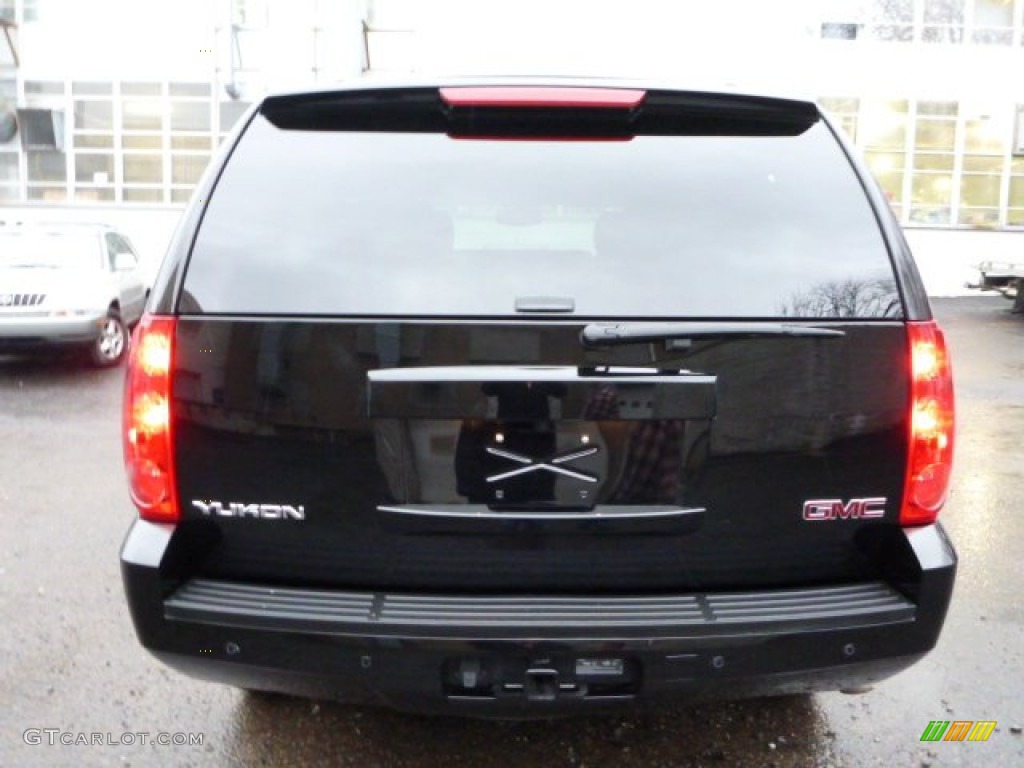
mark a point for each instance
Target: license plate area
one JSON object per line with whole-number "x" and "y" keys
{"x": 539, "y": 439}
{"x": 541, "y": 679}
{"x": 538, "y": 465}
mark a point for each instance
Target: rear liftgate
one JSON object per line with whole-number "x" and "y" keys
{"x": 532, "y": 452}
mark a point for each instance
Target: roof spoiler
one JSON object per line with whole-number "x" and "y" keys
{"x": 541, "y": 112}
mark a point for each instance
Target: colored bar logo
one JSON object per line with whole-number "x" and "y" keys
{"x": 958, "y": 730}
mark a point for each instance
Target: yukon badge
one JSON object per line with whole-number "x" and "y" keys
{"x": 836, "y": 509}
{"x": 256, "y": 511}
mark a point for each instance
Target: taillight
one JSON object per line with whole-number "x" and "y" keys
{"x": 148, "y": 457}
{"x": 930, "y": 458}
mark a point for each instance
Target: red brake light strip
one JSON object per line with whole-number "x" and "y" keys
{"x": 541, "y": 96}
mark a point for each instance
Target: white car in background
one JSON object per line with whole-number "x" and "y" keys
{"x": 68, "y": 285}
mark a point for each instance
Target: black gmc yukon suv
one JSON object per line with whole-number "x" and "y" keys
{"x": 528, "y": 398}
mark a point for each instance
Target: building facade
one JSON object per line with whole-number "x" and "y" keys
{"x": 123, "y": 102}
{"x": 930, "y": 92}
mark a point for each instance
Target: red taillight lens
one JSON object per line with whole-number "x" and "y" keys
{"x": 930, "y": 459}
{"x": 148, "y": 457}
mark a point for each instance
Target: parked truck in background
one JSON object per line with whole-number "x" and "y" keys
{"x": 1004, "y": 277}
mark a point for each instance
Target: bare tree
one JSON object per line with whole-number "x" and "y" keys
{"x": 846, "y": 299}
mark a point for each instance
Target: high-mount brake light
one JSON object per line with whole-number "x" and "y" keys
{"x": 148, "y": 456}
{"x": 930, "y": 455}
{"x": 541, "y": 96}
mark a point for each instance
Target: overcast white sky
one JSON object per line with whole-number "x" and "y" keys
{"x": 750, "y": 43}
{"x": 681, "y": 37}
{"x": 599, "y": 36}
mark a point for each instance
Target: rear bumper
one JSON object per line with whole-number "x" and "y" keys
{"x": 535, "y": 656}
{"x": 38, "y": 330}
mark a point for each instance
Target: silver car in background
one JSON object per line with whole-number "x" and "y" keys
{"x": 68, "y": 285}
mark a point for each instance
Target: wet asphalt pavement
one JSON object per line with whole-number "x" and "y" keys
{"x": 69, "y": 660}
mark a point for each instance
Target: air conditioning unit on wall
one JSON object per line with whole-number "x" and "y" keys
{"x": 41, "y": 128}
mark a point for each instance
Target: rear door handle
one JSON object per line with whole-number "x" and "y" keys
{"x": 519, "y": 392}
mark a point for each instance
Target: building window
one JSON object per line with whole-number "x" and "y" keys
{"x": 143, "y": 168}
{"x": 893, "y": 20}
{"x": 43, "y": 88}
{"x": 200, "y": 143}
{"x": 94, "y": 141}
{"x": 844, "y": 114}
{"x": 142, "y": 195}
{"x": 837, "y": 30}
{"x": 985, "y": 143}
{"x": 1015, "y": 211}
{"x": 46, "y": 166}
{"x": 9, "y": 176}
{"x": 142, "y": 114}
{"x": 882, "y": 136}
{"x": 9, "y": 143}
{"x": 92, "y": 89}
{"x": 187, "y": 169}
{"x": 943, "y": 21}
{"x": 230, "y": 112}
{"x": 190, "y": 116}
{"x": 143, "y": 141}
{"x": 46, "y": 194}
{"x": 94, "y": 115}
{"x": 190, "y": 90}
{"x": 992, "y": 22}
{"x": 935, "y": 132}
{"x": 92, "y": 157}
{"x": 883, "y": 143}
{"x": 94, "y": 169}
{"x": 8, "y": 168}
{"x": 47, "y": 175}
{"x": 94, "y": 194}
{"x": 140, "y": 89}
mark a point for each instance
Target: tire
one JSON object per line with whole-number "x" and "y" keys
{"x": 111, "y": 344}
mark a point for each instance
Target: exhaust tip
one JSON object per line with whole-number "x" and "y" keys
{"x": 857, "y": 689}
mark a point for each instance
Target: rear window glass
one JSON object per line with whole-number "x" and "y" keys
{"x": 421, "y": 224}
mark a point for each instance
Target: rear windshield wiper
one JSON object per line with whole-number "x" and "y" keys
{"x": 608, "y": 334}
